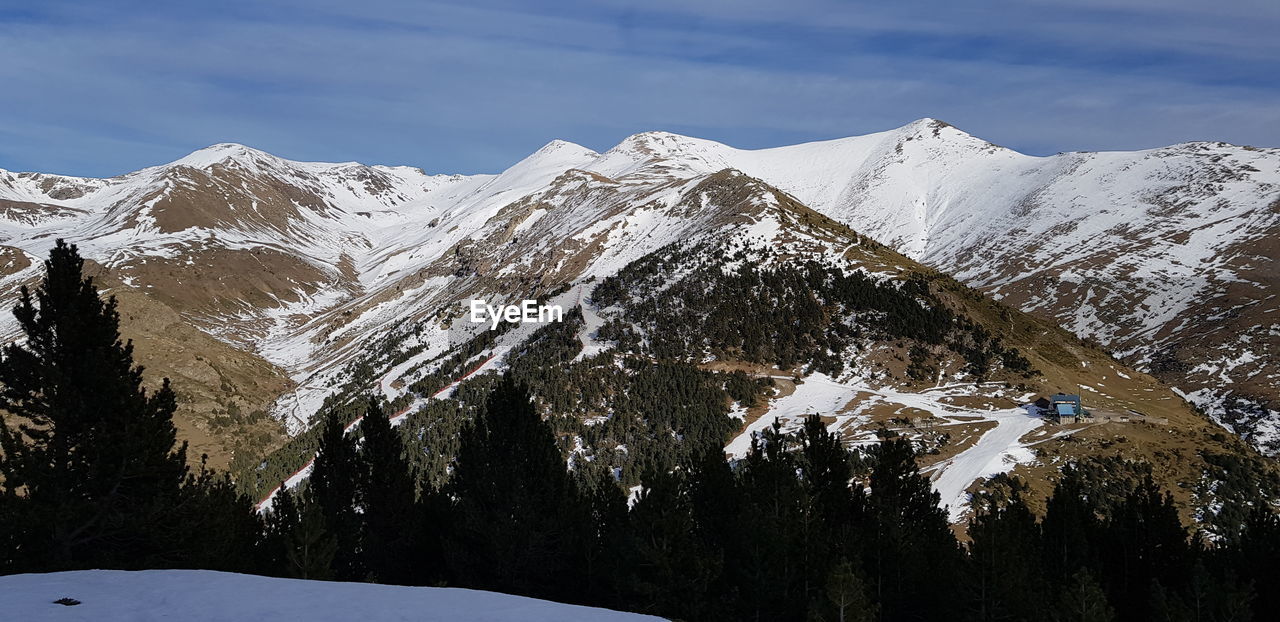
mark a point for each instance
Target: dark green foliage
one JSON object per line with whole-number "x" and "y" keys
{"x": 1257, "y": 554}
{"x": 790, "y": 533}
{"x": 336, "y": 485}
{"x": 1143, "y": 542}
{"x": 848, "y": 594}
{"x": 669, "y": 570}
{"x": 433, "y": 436}
{"x": 1071, "y": 525}
{"x": 1082, "y": 600}
{"x": 1212, "y": 596}
{"x": 277, "y": 527}
{"x": 662, "y": 412}
{"x": 600, "y": 524}
{"x": 1243, "y": 570}
{"x": 669, "y": 401}
{"x": 259, "y": 479}
{"x": 717, "y": 503}
{"x": 299, "y": 544}
{"x": 91, "y": 475}
{"x": 15, "y": 531}
{"x": 388, "y": 500}
{"x": 222, "y": 530}
{"x": 1004, "y": 579}
{"x": 746, "y": 390}
{"x": 489, "y": 488}
{"x": 513, "y": 498}
{"x": 908, "y": 541}
{"x": 804, "y": 312}
{"x": 826, "y": 468}
{"x": 774, "y": 502}
{"x": 1108, "y": 516}
{"x": 1241, "y": 481}
{"x": 359, "y": 517}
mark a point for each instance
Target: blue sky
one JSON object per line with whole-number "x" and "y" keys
{"x": 105, "y": 87}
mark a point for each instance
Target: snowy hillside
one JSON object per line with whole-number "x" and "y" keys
{"x": 354, "y": 277}
{"x": 1160, "y": 255}
{"x": 207, "y": 596}
{"x": 1164, "y": 256}
{"x": 1143, "y": 245}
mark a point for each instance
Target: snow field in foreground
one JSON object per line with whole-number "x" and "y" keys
{"x": 207, "y": 596}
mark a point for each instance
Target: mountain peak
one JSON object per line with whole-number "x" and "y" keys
{"x": 659, "y": 145}
{"x": 220, "y": 153}
{"x": 558, "y": 146}
{"x": 655, "y": 141}
{"x": 928, "y": 122}
{"x": 937, "y": 128}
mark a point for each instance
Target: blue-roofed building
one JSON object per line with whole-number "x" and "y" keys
{"x": 1066, "y": 407}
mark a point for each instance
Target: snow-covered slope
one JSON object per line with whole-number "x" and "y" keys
{"x": 1164, "y": 256}
{"x": 207, "y": 596}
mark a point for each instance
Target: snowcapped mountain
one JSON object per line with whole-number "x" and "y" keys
{"x": 1166, "y": 257}
{"x": 314, "y": 279}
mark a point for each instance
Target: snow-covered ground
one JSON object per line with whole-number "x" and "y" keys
{"x": 207, "y": 596}
{"x": 1140, "y": 239}
{"x": 996, "y": 451}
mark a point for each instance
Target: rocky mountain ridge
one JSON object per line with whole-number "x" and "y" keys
{"x": 307, "y": 268}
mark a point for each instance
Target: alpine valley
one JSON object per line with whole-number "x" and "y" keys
{"x": 919, "y": 281}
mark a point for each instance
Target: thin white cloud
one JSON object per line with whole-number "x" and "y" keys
{"x": 465, "y": 88}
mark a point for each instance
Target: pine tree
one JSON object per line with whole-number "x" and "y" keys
{"x": 671, "y": 574}
{"x": 774, "y": 575}
{"x": 433, "y": 521}
{"x": 513, "y": 495}
{"x": 1216, "y": 595}
{"x": 278, "y": 527}
{"x": 601, "y": 519}
{"x": 1166, "y": 606}
{"x": 835, "y": 509}
{"x": 1069, "y": 528}
{"x": 910, "y": 543}
{"x": 848, "y": 593}
{"x": 827, "y": 470}
{"x": 1256, "y": 556}
{"x": 311, "y": 547}
{"x": 13, "y": 531}
{"x": 1004, "y": 580}
{"x": 222, "y": 529}
{"x": 1083, "y": 600}
{"x": 91, "y": 471}
{"x": 335, "y": 486}
{"x": 388, "y": 500}
{"x": 1143, "y": 541}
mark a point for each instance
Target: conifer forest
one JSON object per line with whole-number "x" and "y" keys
{"x": 477, "y": 492}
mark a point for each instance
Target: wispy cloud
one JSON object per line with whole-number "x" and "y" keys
{"x": 102, "y": 88}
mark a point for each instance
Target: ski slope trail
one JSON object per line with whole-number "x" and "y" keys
{"x": 849, "y": 403}
{"x": 996, "y": 451}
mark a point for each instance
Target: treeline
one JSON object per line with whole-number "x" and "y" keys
{"x": 357, "y": 377}
{"x": 801, "y": 529}
{"x": 680, "y": 306}
{"x": 626, "y": 414}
